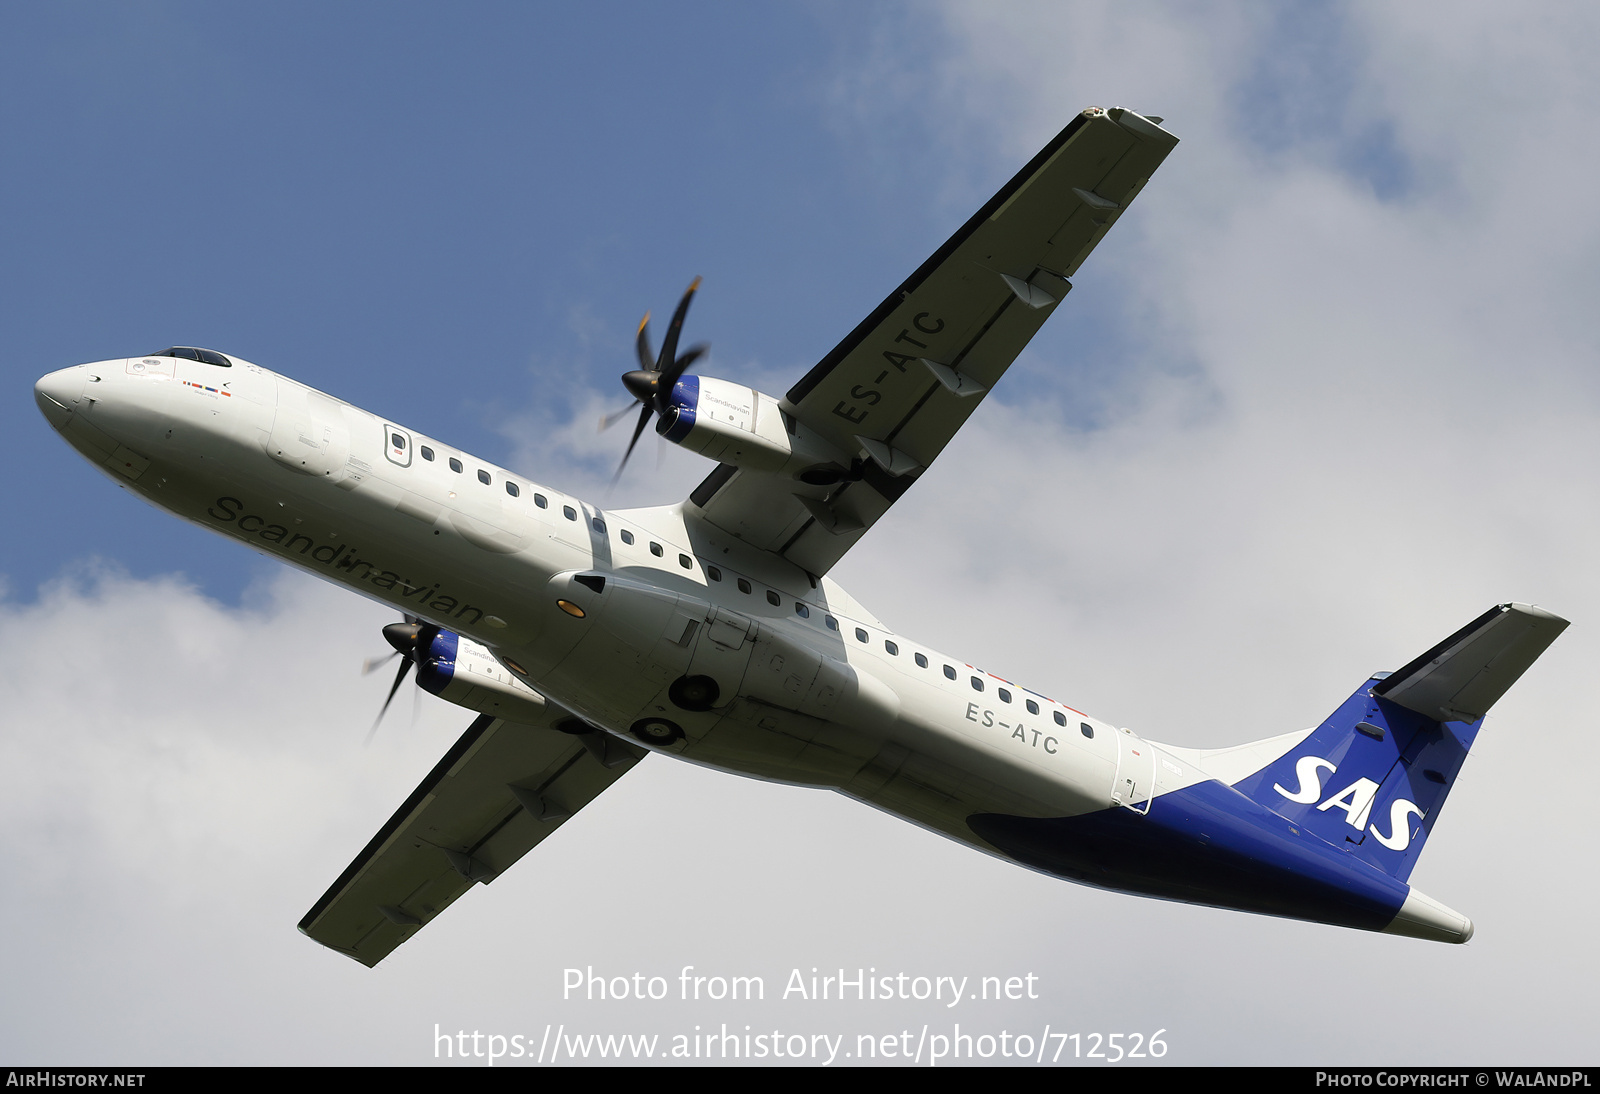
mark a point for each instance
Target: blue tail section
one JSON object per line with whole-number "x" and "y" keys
{"x": 1204, "y": 844}
{"x": 1373, "y": 777}
{"x": 1370, "y": 779}
{"x": 1330, "y": 830}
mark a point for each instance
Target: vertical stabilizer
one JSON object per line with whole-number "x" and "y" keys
{"x": 1373, "y": 777}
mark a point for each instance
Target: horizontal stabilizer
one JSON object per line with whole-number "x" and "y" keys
{"x": 1463, "y": 676}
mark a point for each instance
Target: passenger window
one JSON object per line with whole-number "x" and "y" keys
{"x": 1033, "y": 708}
{"x": 744, "y": 586}
{"x": 1005, "y": 696}
{"x": 541, "y": 501}
{"x": 894, "y": 650}
{"x": 773, "y": 598}
{"x": 627, "y": 536}
{"x": 513, "y": 489}
{"x": 922, "y": 662}
{"x": 833, "y": 624}
{"x": 427, "y": 453}
{"x": 977, "y": 684}
{"x": 686, "y": 562}
{"x": 1061, "y": 719}
{"x": 483, "y": 477}
{"x": 861, "y": 635}
{"x": 801, "y": 610}
{"x": 455, "y": 464}
{"x": 598, "y": 525}
{"x": 569, "y": 512}
{"x": 949, "y": 672}
{"x": 1086, "y": 729}
{"x": 713, "y": 573}
{"x": 655, "y": 549}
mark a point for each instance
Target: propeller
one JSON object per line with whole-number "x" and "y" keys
{"x": 409, "y": 639}
{"x": 651, "y": 383}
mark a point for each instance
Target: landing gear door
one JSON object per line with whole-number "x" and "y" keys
{"x": 723, "y": 652}
{"x": 730, "y": 630}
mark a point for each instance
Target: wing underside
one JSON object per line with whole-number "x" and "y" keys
{"x": 896, "y": 390}
{"x": 499, "y": 791}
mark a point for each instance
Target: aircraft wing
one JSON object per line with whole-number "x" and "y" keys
{"x": 497, "y": 793}
{"x": 893, "y": 393}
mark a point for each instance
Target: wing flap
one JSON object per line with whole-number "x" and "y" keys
{"x": 500, "y": 790}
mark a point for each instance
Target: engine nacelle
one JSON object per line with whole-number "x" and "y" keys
{"x": 461, "y": 671}
{"x": 738, "y": 425}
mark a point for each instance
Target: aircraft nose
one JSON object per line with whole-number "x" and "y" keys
{"x": 57, "y": 393}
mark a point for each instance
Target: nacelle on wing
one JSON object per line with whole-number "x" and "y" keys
{"x": 738, "y": 425}
{"x": 461, "y": 671}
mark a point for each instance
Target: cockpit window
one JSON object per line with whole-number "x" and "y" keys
{"x": 188, "y": 353}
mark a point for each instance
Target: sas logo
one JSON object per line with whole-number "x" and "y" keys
{"x": 1355, "y": 800}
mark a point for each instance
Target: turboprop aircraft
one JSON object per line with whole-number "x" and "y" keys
{"x": 709, "y": 630}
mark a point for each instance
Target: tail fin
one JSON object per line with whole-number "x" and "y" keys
{"x": 1373, "y": 777}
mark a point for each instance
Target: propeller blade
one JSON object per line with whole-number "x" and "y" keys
{"x": 647, "y": 360}
{"x": 644, "y": 420}
{"x": 399, "y": 678}
{"x": 696, "y": 351}
{"x": 373, "y": 664}
{"x": 669, "y": 348}
{"x": 612, "y": 419}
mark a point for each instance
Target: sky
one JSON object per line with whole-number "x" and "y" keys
{"x": 1326, "y": 393}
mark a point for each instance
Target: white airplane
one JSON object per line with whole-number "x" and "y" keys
{"x": 709, "y": 629}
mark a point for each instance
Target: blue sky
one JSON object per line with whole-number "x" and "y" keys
{"x": 1326, "y": 393}
{"x": 434, "y": 214}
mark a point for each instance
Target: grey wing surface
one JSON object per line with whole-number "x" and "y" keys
{"x": 900, "y": 385}
{"x": 499, "y": 791}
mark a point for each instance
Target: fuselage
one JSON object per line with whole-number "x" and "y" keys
{"x": 812, "y": 688}
{"x": 653, "y": 624}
